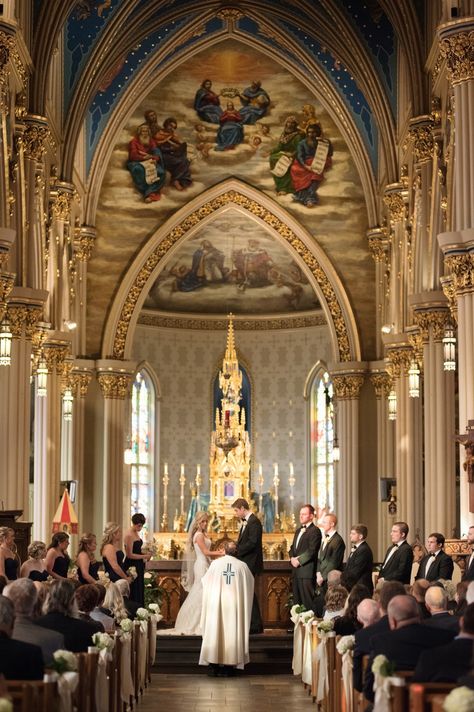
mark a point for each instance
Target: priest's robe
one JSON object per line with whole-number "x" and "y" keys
{"x": 226, "y": 607}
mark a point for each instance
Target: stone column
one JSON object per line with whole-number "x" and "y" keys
{"x": 379, "y": 245}
{"x": 382, "y": 384}
{"x": 84, "y": 240}
{"x": 408, "y": 440}
{"x": 347, "y": 384}
{"x": 439, "y": 420}
{"x": 59, "y": 254}
{"x": 395, "y": 198}
{"x": 81, "y": 377}
{"x": 114, "y": 378}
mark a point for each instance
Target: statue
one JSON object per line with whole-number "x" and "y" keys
{"x": 468, "y": 465}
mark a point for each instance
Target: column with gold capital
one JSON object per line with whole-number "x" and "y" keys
{"x": 60, "y": 254}
{"x": 379, "y": 245}
{"x": 80, "y": 378}
{"x": 115, "y": 378}
{"x": 84, "y": 240}
{"x": 439, "y": 422}
{"x": 348, "y": 379}
{"x": 395, "y": 198}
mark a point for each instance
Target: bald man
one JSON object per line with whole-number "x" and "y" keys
{"x": 436, "y": 601}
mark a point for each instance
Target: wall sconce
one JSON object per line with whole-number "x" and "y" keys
{"x": 449, "y": 348}
{"x": 42, "y": 376}
{"x": 68, "y": 399}
{"x": 336, "y": 452}
{"x": 414, "y": 380}
{"x": 5, "y": 343}
{"x": 392, "y": 405}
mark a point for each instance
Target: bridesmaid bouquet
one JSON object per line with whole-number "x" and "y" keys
{"x": 132, "y": 572}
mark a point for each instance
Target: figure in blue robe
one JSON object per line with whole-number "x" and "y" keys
{"x": 231, "y": 132}
{"x": 255, "y": 102}
{"x": 206, "y": 103}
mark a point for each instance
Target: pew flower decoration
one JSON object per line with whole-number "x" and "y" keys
{"x": 142, "y": 614}
{"x": 382, "y": 666}
{"x": 64, "y": 661}
{"x": 325, "y": 627}
{"x": 295, "y": 613}
{"x": 345, "y": 644}
{"x": 461, "y": 699}
{"x": 306, "y": 617}
{"x": 103, "y": 641}
{"x": 154, "y": 608}
{"x": 126, "y": 625}
{"x": 5, "y": 705}
{"x": 132, "y": 572}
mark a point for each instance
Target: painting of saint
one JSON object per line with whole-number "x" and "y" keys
{"x": 145, "y": 164}
{"x": 255, "y": 103}
{"x": 230, "y": 133}
{"x": 174, "y": 152}
{"x": 206, "y": 103}
{"x": 305, "y": 175}
{"x": 207, "y": 266}
{"x": 283, "y": 154}
{"x": 252, "y": 265}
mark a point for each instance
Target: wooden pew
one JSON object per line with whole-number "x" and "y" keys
{"x": 33, "y": 695}
{"x": 428, "y": 696}
{"x": 85, "y": 692}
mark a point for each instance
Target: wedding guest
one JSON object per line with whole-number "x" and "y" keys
{"x": 60, "y": 613}
{"x": 114, "y": 605}
{"x": 112, "y": 556}
{"x": 468, "y": 574}
{"x": 86, "y": 597}
{"x": 303, "y": 557}
{"x": 330, "y": 558}
{"x": 87, "y": 565}
{"x": 18, "y": 660}
{"x": 399, "y": 557}
{"x": 359, "y": 565}
{"x": 8, "y": 561}
{"x": 436, "y": 600}
{"x": 131, "y": 606}
{"x": 335, "y": 601}
{"x": 34, "y": 567}
{"x": 101, "y": 614}
{"x": 134, "y": 557}
{"x": 41, "y": 595}
{"x": 348, "y": 623}
{"x": 57, "y": 559}
{"x": 460, "y": 598}
{"x": 418, "y": 590}
{"x": 23, "y": 594}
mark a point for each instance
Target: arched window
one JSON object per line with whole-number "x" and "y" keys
{"x": 142, "y": 446}
{"x": 322, "y": 438}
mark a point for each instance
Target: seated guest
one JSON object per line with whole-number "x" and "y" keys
{"x": 34, "y": 567}
{"x": 57, "y": 559}
{"x": 60, "y": 613}
{"x": 87, "y": 566}
{"x": 363, "y": 637}
{"x": 436, "y": 564}
{"x": 18, "y": 660}
{"x": 448, "y": 663}
{"x": 359, "y": 565}
{"x": 348, "y": 623}
{"x": 335, "y": 601}
{"x": 86, "y": 600}
{"x": 131, "y": 606}
{"x": 405, "y": 641}
{"x": 436, "y": 600}
{"x": 418, "y": 591}
{"x": 23, "y": 594}
{"x": 113, "y": 603}
{"x": 100, "y": 614}
{"x": 368, "y": 612}
{"x": 42, "y": 589}
{"x": 460, "y": 598}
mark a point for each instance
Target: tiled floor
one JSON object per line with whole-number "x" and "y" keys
{"x": 198, "y": 693}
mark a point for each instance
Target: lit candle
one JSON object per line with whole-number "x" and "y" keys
{"x": 292, "y": 471}
{"x": 198, "y": 471}
{"x": 260, "y": 470}
{"x": 275, "y": 469}
{"x": 166, "y": 468}
{"x": 182, "y": 469}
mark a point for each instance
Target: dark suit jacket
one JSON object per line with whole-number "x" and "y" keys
{"x": 77, "y": 633}
{"x": 249, "y": 545}
{"x": 19, "y": 660}
{"x": 441, "y": 568}
{"x": 358, "y": 568}
{"x": 443, "y": 620}
{"x": 362, "y": 645}
{"x": 398, "y": 568}
{"x": 469, "y": 573}
{"x": 403, "y": 647}
{"x": 331, "y": 556}
{"x": 48, "y": 640}
{"x": 306, "y": 551}
{"x": 446, "y": 663}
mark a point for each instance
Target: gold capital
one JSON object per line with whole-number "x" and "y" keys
{"x": 431, "y": 322}
{"x": 399, "y": 360}
{"x": 377, "y": 239}
{"x": 382, "y": 384}
{"x": 421, "y": 137}
{"x": 458, "y": 51}
{"x": 394, "y": 199}
{"x": 114, "y": 385}
{"x": 462, "y": 268}
{"x": 35, "y": 137}
{"x": 449, "y": 290}
{"x": 84, "y": 241}
{"x": 55, "y": 355}
{"x": 80, "y": 383}
{"x": 347, "y": 386}
{"x": 61, "y": 201}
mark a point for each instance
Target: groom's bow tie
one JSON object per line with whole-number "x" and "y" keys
{"x": 303, "y": 526}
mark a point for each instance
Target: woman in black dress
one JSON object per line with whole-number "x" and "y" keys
{"x": 57, "y": 559}
{"x": 112, "y": 555}
{"x": 34, "y": 567}
{"x": 8, "y": 560}
{"x": 87, "y": 565}
{"x": 133, "y": 550}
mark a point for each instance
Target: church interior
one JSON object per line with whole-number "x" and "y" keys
{"x": 237, "y": 261}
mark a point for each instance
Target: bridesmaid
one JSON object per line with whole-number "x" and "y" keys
{"x": 35, "y": 567}
{"x": 57, "y": 559}
{"x": 112, "y": 556}
{"x": 87, "y": 565}
{"x": 8, "y": 561}
{"x": 133, "y": 550}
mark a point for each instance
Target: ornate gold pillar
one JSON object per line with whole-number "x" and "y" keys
{"x": 59, "y": 254}
{"x": 408, "y": 439}
{"x": 379, "y": 245}
{"x": 382, "y": 384}
{"x": 114, "y": 378}
{"x": 348, "y": 379}
{"x": 395, "y": 198}
{"x": 439, "y": 420}
{"x": 84, "y": 240}
{"x": 80, "y": 378}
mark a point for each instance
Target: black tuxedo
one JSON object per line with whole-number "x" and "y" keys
{"x": 358, "y": 568}
{"x": 249, "y": 549}
{"x": 441, "y": 568}
{"x": 331, "y": 556}
{"x": 443, "y": 620}
{"x": 468, "y": 575}
{"x": 362, "y": 646}
{"x": 19, "y": 660}
{"x": 446, "y": 663}
{"x": 303, "y": 576}
{"x": 398, "y": 568}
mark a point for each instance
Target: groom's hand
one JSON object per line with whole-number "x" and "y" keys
{"x": 294, "y": 562}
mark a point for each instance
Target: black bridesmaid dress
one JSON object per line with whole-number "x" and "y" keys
{"x": 137, "y": 587}
{"x": 38, "y": 575}
{"x": 109, "y": 570}
{"x": 11, "y": 569}
{"x": 93, "y": 572}
{"x": 61, "y": 565}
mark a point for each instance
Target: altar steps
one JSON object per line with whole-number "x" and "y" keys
{"x": 270, "y": 654}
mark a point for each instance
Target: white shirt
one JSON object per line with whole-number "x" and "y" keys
{"x": 301, "y": 532}
{"x": 430, "y": 561}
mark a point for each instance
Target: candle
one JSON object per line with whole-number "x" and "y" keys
{"x": 182, "y": 469}
{"x": 166, "y": 468}
{"x": 198, "y": 471}
{"x": 292, "y": 471}
{"x": 275, "y": 469}
{"x": 260, "y": 470}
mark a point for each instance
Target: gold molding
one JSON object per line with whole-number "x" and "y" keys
{"x": 191, "y": 221}
{"x": 421, "y": 137}
{"x": 449, "y": 290}
{"x": 35, "y": 136}
{"x": 243, "y": 324}
{"x": 9, "y": 53}
{"x": 114, "y": 385}
{"x": 399, "y": 360}
{"x": 457, "y": 50}
{"x": 347, "y": 386}
{"x": 80, "y": 381}
{"x": 431, "y": 321}
{"x": 382, "y": 384}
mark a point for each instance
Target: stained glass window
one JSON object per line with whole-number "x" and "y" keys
{"x": 322, "y": 438}
{"x": 142, "y": 465}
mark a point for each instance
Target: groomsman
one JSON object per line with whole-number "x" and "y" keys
{"x": 399, "y": 557}
{"x": 436, "y": 564}
{"x": 249, "y": 549}
{"x": 330, "y": 558}
{"x": 303, "y": 556}
{"x": 469, "y": 570}
{"x": 359, "y": 565}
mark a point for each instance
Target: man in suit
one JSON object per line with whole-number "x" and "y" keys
{"x": 18, "y": 660}
{"x": 436, "y": 600}
{"x": 330, "y": 558}
{"x": 469, "y": 570}
{"x": 449, "y": 662}
{"x": 249, "y": 549}
{"x": 399, "y": 557}
{"x": 303, "y": 556}
{"x": 359, "y": 565}
{"x": 436, "y": 564}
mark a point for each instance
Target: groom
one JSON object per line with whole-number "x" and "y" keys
{"x": 249, "y": 549}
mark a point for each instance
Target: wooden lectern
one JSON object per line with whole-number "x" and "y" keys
{"x": 8, "y": 518}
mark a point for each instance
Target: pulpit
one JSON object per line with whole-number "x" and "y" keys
{"x": 8, "y": 518}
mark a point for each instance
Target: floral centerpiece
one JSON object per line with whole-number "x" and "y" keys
{"x": 64, "y": 661}
{"x": 461, "y": 699}
{"x": 325, "y": 627}
{"x": 142, "y": 614}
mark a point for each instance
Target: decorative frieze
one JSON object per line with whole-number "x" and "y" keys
{"x": 347, "y": 386}
{"x": 114, "y": 385}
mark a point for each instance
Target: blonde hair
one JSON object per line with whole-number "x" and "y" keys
{"x": 35, "y": 548}
{"x": 4, "y": 532}
{"x": 111, "y": 528}
{"x": 84, "y": 542}
{"x": 114, "y": 602}
{"x": 195, "y": 526}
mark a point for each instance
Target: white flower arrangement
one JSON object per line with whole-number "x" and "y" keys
{"x": 103, "y": 641}
{"x": 132, "y": 572}
{"x": 5, "y": 705}
{"x": 461, "y": 699}
{"x": 297, "y": 609}
{"x": 147, "y": 576}
{"x": 64, "y": 661}
{"x": 72, "y": 573}
{"x": 126, "y": 625}
{"x": 382, "y": 666}
{"x": 142, "y": 614}
{"x": 154, "y": 607}
{"x": 325, "y": 627}
{"x": 345, "y": 644}
{"x": 306, "y": 616}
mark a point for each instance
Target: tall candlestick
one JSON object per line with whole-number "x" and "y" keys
{"x": 198, "y": 481}
{"x": 260, "y": 487}
{"x": 182, "y": 483}
{"x": 276, "y": 482}
{"x": 182, "y": 469}
{"x": 164, "y": 518}
{"x": 291, "y": 482}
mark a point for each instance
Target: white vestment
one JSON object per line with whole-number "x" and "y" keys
{"x": 226, "y": 608}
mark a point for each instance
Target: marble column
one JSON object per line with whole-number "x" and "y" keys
{"x": 84, "y": 240}
{"x": 59, "y": 254}
{"x": 81, "y": 377}
{"x": 347, "y": 380}
{"x": 115, "y": 378}
{"x": 379, "y": 245}
{"x": 395, "y": 198}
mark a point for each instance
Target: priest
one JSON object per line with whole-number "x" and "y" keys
{"x": 226, "y": 608}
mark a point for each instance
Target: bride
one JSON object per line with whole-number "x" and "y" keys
{"x": 195, "y": 564}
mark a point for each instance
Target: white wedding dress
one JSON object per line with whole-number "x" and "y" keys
{"x": 189, "y": 615}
